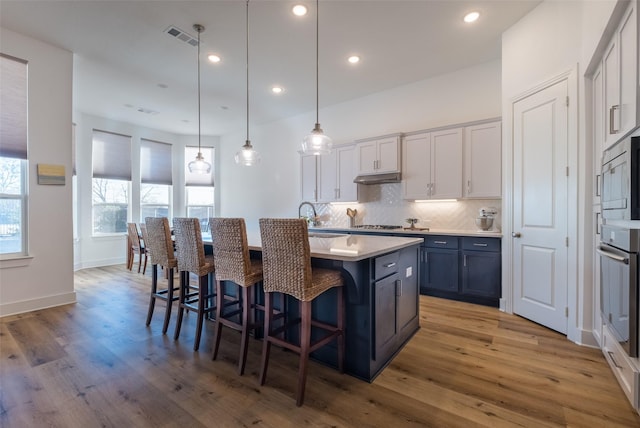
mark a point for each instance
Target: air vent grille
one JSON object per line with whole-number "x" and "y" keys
{"x": 181, "y": 35}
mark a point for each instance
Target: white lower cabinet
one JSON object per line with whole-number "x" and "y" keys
{"x": 624, "y": 368}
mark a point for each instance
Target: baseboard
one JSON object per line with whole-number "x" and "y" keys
{"x": 14, "y": 308}
{"x": 100, "y": 263}
{"x": 587, "y": 338}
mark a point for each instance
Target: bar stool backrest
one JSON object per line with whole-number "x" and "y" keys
{"x": 230, "y": 249}
{"x": 189, "y": 245}
{"x": 286, "y": 257}
{"x": 159, "y": 244}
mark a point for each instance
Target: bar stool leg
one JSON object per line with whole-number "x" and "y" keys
{"x": 217, "y": 332}
{"x": 305, "y": 342}
{"x": 266, "y": 344}
{"x": 184, "y": 287}
{"x": 154, "y": 289}
{"x": 340, "y": 322}
{"x": 244, "y": 341}
{"x": 203, "y": 287}
{"x": 167, "y": 313}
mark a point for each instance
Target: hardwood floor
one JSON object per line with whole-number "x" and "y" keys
{"x": 95, "y": 363}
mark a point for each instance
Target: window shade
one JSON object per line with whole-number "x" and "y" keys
{"x": 13, "y": 107}
{"x": 155, "y": 162}
{"x": 193, "y": 179}
{"x": 111, "y": 156}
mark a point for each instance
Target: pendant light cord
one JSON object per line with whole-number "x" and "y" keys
{"x": 317, "y": 60}
{"x": 199, "y": 30}
{"x": 247, "y": 29}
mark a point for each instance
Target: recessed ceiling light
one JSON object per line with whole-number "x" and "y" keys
{"x": 214, "y": 58}
{"x": 354, "y": 59}
{"x": 299, "y": 10}
{"x": 163, "y": 85}
{"x": 277, "y": 89}
{"x": 471, "y": 17}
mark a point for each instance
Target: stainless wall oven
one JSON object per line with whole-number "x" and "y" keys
{"x": 618, "y": 251}
{"x": 621, "y": 179}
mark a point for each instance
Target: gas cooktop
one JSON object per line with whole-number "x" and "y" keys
{"x": 376, "y": 226}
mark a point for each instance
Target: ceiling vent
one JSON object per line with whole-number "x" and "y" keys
{"x": 181, "y": 35}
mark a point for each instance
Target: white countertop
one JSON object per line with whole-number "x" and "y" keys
{"x": 335, "y": 246}
{"x": 422, "y": 233}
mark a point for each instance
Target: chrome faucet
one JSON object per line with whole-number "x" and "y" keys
{"x": 315, "y": 215}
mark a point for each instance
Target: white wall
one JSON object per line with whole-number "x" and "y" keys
{"x": 556, "y": 37}
{"x": 108, "y": 250}
{"x": 273, "y": 187}
{"x": 46, "y": 279}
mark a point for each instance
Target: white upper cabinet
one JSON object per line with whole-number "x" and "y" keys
{"x": 378, "y": 156}
{"x": 432, "y": 165}
{"x": 620, "y": 74}
{"x": 483, "y": 161}
{"x": 329, "y": 178}
{"x": 308, "y": 174}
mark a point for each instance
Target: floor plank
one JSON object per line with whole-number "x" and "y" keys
{"x": 95, "y": 363}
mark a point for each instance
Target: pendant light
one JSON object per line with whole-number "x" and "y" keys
{"x": 317, "y": 142}
{"x": 247, "y": 156}
{"x": 199, "y": 165}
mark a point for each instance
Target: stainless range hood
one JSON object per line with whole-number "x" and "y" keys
{"x": 392, "y": 177}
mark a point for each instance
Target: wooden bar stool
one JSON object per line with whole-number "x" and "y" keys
{"x": 191, "y": 259}
{"x": 286, "y": 262}
{"x": 231, "y": 252}
{"x": 157, "y": 236}
{"x": 135, "y": 247}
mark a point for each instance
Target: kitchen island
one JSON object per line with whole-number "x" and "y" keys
{"x": 381, "y": 296}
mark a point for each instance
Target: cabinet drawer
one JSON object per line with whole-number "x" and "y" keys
{"x": 481, "y": 244}
{"x": 386, "y": 265}
{"x": 441, "y": 241}
{"x": 627, "y": 375}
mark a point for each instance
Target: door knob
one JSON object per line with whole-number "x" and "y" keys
{"x": 516, "y": 234}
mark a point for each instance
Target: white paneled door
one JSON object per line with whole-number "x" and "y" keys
{"x": 540, "y": 230}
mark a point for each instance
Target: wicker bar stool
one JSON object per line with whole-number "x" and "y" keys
{"x": 135, "y": 247}
{"x": 286, "y": 262}
{"x": 191, "y": 259}
{"x": 233, "y": 263}
{"x": 157, "y": 236}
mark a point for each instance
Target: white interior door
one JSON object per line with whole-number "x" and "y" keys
{"x": 540, "y": 139}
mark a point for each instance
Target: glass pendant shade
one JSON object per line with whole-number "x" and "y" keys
{"x": 199, "y": 165}
{"x": 317, "y": 142}
{"x": 247, "y": 156}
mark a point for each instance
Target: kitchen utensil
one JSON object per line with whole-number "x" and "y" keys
{"x": 352, "y": 216}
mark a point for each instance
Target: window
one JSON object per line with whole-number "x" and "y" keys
{"x": 156, "y": 179}
{"x": 111, "y": 182}
{"x": 199, "y": 187}
{"x": 13, "y": 156}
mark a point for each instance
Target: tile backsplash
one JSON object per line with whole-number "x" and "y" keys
{"x": 383, "y": 204}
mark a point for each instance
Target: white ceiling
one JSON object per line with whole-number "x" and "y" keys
{"x": 122, "y": 53}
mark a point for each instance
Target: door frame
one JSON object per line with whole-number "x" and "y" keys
{"x": 575, "y": 219}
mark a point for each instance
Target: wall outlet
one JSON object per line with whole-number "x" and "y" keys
{"x": 409, "y": 271}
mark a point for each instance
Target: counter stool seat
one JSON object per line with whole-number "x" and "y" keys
{"x": 286, "y": 261}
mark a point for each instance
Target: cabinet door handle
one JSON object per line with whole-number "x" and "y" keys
{"x": 612, "y": 116}
{"x": 440, "y": 242}
{"x": 468, "y": 187}
{"x": 477, "y": 244}
{"x": 390, "y": 265}
{"x": 398, "y": 287}
{"x": 598, "y": 185}
{"x": 597, "y": 223}
{"x": 464, "y": 261}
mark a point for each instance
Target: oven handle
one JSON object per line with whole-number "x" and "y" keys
{"x": 615, "y": 257}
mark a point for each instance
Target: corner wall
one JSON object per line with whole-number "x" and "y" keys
{"x": 46, "y": 279}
